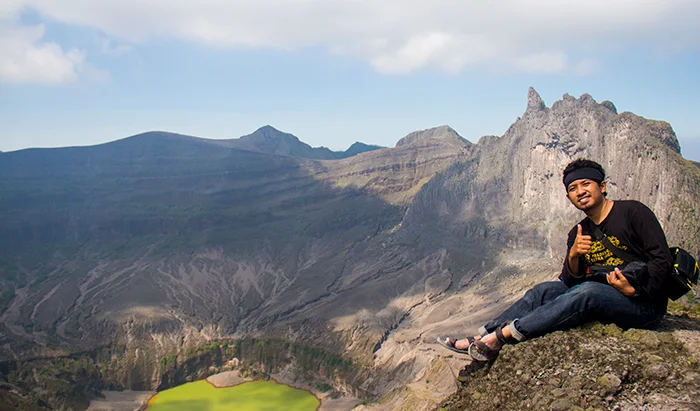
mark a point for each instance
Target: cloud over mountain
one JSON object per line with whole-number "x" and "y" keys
{"x": 395, "y": 36}
{"x": 27, "y": 58}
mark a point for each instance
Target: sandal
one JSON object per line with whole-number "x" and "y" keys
{"x": 449, "y": 343}
{"x": 479, "y": 351}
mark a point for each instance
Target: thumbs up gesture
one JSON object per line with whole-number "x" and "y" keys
{"x": 582, "y": 244}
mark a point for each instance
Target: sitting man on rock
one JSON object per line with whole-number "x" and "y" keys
{"x": 592, "y": 286}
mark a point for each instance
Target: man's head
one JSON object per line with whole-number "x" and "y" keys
{"x": 585, "y": 183}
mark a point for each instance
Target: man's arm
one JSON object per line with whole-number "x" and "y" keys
{"x": 577, "y": 246}
{"x": 655, "y": 248}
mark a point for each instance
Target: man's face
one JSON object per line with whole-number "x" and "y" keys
{"x": 586, "y": 194}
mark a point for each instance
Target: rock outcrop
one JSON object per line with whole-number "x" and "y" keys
{"x": 593, "y": 367}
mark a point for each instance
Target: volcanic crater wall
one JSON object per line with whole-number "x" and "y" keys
{"x": 167, "y": 241}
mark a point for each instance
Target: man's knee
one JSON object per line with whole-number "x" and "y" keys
{"x": 590, "y": 295}
{"x": 546, "y": 291}
{"x": 591, "y": 288}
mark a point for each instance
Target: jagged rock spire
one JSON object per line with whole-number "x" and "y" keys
{"x": 534, "y": 101}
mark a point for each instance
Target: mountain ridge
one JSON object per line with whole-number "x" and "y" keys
{"x": 266, "y": 139}
{"x": 444, "y": 134}
{"x": 369, "y": 257}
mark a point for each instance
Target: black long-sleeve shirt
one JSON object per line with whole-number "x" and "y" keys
{"x": 633, "y": 227}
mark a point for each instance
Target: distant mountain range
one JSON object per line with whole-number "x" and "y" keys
{"x": 266, "y": 139}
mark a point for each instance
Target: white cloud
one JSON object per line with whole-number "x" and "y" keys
{"x": 111, "y": 48}
{"x": 415, "y": 53}
{"x": 396, "y": 36}
{"x": 24, "y": 58}
{"x": 544, "y": 62}
{"x": 447, "y": 51}
{"x": 586, "y": 67}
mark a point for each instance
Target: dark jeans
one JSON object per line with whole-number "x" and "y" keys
{"x": 553, "y": 306}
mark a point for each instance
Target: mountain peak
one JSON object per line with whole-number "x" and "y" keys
{"x": 586, "y": 106}
{"x": 443, "y": 134}
{"x": 155, "y": 138}
{"x": 268, "y": 129}
{"x": 359, "y": 147}
{"x": 268, "y": 139}
{"x": 157, "y": 134}
{"x": 269, "y": 133}
{"x": 534, "y": 101}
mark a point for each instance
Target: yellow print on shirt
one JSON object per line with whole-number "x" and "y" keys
{"x": 600, "y": 255}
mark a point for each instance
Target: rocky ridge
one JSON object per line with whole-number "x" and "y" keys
{"x": 369, "y": 257}
{"x": 506, "y": 205}
{"x": 267, "y": 139}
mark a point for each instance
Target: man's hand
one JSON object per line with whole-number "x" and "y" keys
{"x": 618, "y": 280}
{"x": 581, "y": 246}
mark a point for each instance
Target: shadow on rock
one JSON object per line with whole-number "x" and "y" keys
{"x": 683, "y": 321}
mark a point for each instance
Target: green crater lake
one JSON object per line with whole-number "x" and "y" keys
{"x": 249, "y": 396}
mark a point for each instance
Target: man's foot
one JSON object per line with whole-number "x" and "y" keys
{"x": 488, "y": 346}
{"x": 458, "y": 346}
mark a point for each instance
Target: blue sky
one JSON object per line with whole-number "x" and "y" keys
{"x": 81, "y": 72}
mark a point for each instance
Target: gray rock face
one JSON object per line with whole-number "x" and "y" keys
{"x": 512, "y": 184}
{"x": 437, "y": 135}
{"x": 534, "y": 101}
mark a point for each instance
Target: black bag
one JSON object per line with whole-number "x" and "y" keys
{"x": 678, "y": 283}
{"x": 684, "y": 274}
{"x": 635, "y": 272}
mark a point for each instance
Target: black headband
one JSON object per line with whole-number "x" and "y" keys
{"x": 581, "y": 173}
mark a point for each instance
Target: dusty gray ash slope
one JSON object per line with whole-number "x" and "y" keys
{"x": 159, "y": 242}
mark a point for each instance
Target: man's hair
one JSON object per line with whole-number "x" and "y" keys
{"x": 582, "y": 163}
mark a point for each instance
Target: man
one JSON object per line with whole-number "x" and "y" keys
{"x": 583, "y": 293}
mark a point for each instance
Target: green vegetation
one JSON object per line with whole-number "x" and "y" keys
{"x": 54, "y": 383}
{"x": 168, "y": 361}
{"x": 212, "y": 347}
{"x": 313, "y": 361}
{"x": 304, "y": 354}
{"x": 70, "y": 381}
{"x": 251, "y": 396}
{"x": 685, "y": 305}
